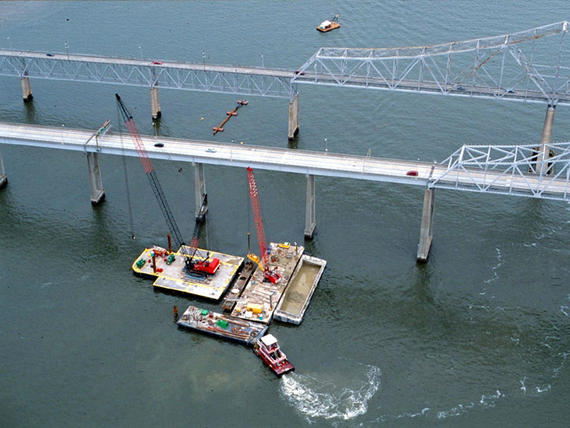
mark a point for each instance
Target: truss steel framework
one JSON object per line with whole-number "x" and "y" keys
{"x": 172, "y": 75}
{"x": 510, "y": 170}
{"x": 532, "y": 66}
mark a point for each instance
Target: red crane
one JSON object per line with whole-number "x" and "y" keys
{"x": 271, "y": 276}
{"x": 205, "y": 266}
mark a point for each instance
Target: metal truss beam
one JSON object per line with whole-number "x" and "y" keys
{"x": 528, "y": 66}
{"x": 531, "y": 66}
{"x": 509, "y": 170}
{"x": 172, "y": 75}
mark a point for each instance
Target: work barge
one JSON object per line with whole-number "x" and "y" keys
{"x": 251, "y": 301}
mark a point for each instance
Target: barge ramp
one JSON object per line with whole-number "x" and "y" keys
{"x": 232, "y": 296}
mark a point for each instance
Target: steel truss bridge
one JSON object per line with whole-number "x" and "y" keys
{"x": 485, "y": 169}
{"x": 508, "y": 170}
{"x": 530, "y": 66}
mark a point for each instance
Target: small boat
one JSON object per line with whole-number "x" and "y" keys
{"x": 268, "y": 350}
{"x": 329, "y": 25}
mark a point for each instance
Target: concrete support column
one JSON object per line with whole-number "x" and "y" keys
{"x": 293, "y": 128}
{"x": 155, "y": 103}
{"x": 426, "y": 230}
{"x": 95, "y": 182}
{"x": 26, "y": 89}
{"x": 3, "y": 177}
{"x": 200, "y": 195}
{"x": 545, "y": 139}
{"x": 310, "y": 215}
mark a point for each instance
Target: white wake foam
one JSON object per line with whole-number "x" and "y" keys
{"x": 319, "y": 398}
{"x": 496, "y": 267}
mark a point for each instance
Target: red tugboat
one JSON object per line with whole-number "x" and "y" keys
{"x": 268, "y": 350}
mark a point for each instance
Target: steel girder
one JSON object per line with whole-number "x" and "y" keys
{"x": 509, "y": 170}
{"x": 172, "y": 75}
{"x": 531, "y": 66}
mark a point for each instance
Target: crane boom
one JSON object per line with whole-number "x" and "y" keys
{"x": 273, "y": 277}
{"x": 204, "y": 266}
{"x": 151, "y": 174}
{"x": 258, "y": 220}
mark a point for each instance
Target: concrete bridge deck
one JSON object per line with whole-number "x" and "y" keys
{"x": 278, "y": 159}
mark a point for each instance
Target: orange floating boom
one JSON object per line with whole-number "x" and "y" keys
{"x": 229, "y": 114}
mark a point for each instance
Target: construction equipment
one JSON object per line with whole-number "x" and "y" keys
{"x": 263, "y": 259}
{"x": 200, "y": 267}
{"x": 204, "y": 265}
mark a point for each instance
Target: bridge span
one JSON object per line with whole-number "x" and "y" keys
{"x": 527, "y": 66}
{"x": 508, "y": 170}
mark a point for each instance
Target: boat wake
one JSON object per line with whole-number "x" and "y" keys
{"x": 343, "y": 397}
{"x": 495, "y": 268}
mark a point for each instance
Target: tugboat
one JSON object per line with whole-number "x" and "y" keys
{"x": 329, "y": 25}
{"x": 268, "y": 350}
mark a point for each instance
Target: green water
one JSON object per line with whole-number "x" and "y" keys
{"x": 479, "y": 336}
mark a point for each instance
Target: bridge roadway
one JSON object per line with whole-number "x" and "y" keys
{"x": 90, "y": 59}
{"x": 286, "y": 160}
{"x": 218, "y": 78}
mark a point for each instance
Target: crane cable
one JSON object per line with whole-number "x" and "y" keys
{"x": 124, "y": 159}
{"x": 248, "y": 209}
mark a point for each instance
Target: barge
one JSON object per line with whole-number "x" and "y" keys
{"x": 237, "y": 288}
{"x": 261, "y": 296}
{"x": 301, "y": 287}
{"x": 227, "y": 327}
{"x": 170, "y": 273}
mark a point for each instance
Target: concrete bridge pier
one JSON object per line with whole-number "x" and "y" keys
{"x": 95, "y": 182}
{"x": 310, "y": 216}
{"x": 426, "y": 230}
{"x": 155, "y": 103}
{"x": 200, "y": 195}
{"x": 26, "y": 89}
{"x": 545, "y": 139}
{"x": 3, "y": 177}
{"x": 293, "y": 128}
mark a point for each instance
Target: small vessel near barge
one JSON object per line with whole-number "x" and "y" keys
{"x": 268, "y": 350}
{"x": 329, "y": 24}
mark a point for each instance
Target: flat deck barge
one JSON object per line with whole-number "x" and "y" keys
{"x": 224, "y": 326}
{"x": 234, "y": 293}
{"x": 303, "y": 283}
{"x": 260, "y": 298}
{"x": 171, "y": 274}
